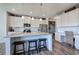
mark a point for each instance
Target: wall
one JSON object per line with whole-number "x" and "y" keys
{"x": 3, "y": 16}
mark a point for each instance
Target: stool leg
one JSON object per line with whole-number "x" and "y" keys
{"x": 36, "y": 46}
{"x": 29, "y": 49}
{"x": 45, "y": 45}
{"x": 39, "y": 44}
{"x": 23, "y": 49}
{"x": 14, "y": 50}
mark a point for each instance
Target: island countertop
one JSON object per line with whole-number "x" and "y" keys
{"x": 19, "y": 34}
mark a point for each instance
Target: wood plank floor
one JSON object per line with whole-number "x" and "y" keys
{"x": 61, "y": 49}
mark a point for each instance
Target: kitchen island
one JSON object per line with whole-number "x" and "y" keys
{"x": 10, "y": 38}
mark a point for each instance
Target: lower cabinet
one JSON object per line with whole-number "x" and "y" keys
{"x": 2, "y": 48}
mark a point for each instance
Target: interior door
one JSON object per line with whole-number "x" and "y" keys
{"x": 52, "y": 28}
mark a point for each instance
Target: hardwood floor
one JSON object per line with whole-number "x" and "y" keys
{"x": 64, "y": 49}
{"x": 61, "y": 49}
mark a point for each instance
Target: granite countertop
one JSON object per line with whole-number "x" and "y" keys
{"x": 19, "y": 34}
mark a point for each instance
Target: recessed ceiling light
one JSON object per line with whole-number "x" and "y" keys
{"x": 22, "y": 17}
{"x": 32, "y": 18}
{"x": 13, "y": 9}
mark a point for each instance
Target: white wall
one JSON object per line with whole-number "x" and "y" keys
{"x": 3, "y": 16}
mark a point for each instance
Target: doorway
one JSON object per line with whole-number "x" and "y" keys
{"x": 52, "y": 28}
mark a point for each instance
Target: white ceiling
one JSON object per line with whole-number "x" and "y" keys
{"x": 48, "y": 9}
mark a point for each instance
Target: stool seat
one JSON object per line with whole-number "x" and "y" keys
{"x": 32, "y": 40}
{"x": 44, "y": 39}
{"x": 19, "y": 42}
{"x": 21, "y": 51}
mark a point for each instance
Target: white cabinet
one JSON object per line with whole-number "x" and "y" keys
{"x": 15, "y": 21}
{"x": 19, "y": 22}
{"x": 65, "y": 20}
{"x": 12, "y": 21}
{"x": 68, "y": 19}
{"x": 43, "y": 22}
{"x": 26, "y": 20}
{"x": 74, "y": 17}
{"x": 71, "y": 18}
{"x": 58, "y": 21}
{"x": 35, "y": 23}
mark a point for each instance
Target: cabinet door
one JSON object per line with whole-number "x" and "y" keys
{"x": 12, "y": 21}
{"x": 27, "y": 20}
{"x": 65, "y": 20}
{"x": 43, "y": 21}
{"x": 19, "y": 22}
{"x": 35, "y": 23}
{"x": 73, "y": 17}
{"x": 15, "y": 21}
{"x": 58, "y": 21}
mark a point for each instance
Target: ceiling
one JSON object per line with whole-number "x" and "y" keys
{"x": 38, "y": 9}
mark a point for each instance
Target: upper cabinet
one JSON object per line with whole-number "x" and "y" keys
{"x": 15, "y": 21}
{"x": 19, "y": 22}
{"x": 75, "y": 17}
{"x": 58, "y": 21}
{"x": 65, "y": 19}
{"x": 35, "y": 23}
{"x": 71, "y": 18}
{"x": 26, "y": 20}
{"x": 68, "y": 19}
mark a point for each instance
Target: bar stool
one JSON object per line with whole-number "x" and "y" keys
{"x": 32, "y": 46}
{"x": 42, "y": 44}
{"x": 20, "y": 51}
